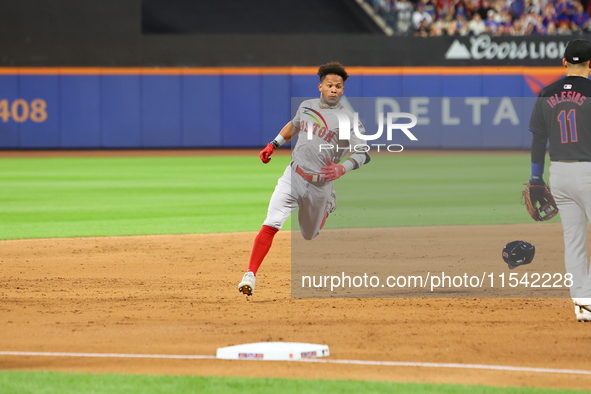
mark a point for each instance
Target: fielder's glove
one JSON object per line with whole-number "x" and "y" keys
{"x": 332, "y": 171}
{"x": 539, "y": 202}
{"x": 266, "y": 153}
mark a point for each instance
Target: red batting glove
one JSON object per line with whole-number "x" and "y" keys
{"x": 332, "y": 171}
{"x": 266, "y": 153}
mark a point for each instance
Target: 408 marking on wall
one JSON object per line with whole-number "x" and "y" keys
{"x": 20, "y": 110}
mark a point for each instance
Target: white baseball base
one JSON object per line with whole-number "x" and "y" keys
{"x": 277, "y": 351}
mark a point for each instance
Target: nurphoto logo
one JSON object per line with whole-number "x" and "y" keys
{"x": 391, "y": 117}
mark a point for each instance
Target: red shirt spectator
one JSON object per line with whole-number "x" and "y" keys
{"x": 444, "y": 6}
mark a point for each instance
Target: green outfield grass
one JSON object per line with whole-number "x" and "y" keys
{"x": 412, "y": 190}
{"x": 59, "y": 383}
{"x": 77, "y": 197}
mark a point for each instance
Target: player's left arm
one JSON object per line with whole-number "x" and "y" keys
{"x": 360, "y": 154}
{"x": 333, "y": 171}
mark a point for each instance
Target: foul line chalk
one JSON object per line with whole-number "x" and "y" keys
{"x": 451, "y": 365}
{"x": 108, "y": 355}
{"x": 324, "y": 361}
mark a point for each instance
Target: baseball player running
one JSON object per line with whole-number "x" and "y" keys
{"x": 307, "y": 182}
{"x": 562, "y": 115}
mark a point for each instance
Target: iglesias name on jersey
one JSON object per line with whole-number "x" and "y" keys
{"x": 562, "y": 114}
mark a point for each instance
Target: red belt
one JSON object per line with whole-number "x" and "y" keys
{"x": 315, "y": 178}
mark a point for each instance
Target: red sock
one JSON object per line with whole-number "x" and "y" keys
{"x": 262, "y": 244}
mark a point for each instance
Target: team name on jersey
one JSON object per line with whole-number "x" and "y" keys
{"x": 320, "y": 131}
{"x": 564, "y": 97}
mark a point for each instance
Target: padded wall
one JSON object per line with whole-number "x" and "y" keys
{"x": 246, "y": 107}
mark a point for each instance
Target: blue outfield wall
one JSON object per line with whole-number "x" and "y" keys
{"x": 471, "y": 108}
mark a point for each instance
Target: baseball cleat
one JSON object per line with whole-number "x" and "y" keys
{"x": 583, "y": 313}
{"x": 332, "y": 202}
{"x": 247, "y": 284}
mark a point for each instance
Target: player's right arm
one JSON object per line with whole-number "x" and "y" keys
{"x": 288, "y": 131}
{"x": 538, "y": 147}
{"x": 285, "y": 135}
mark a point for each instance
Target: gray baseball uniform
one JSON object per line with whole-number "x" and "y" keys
{"x": 301, "y": 184}
{"x": 562, "y": 116}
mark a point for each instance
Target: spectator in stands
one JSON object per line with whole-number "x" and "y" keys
{"x": 517, "y": 8}
{"x": 404, "y": 10}
{"x": 421, "y": 20}
{"x": 476, "y": 25}
{"x": 483, "y": 9}
{"x": 435, "y": 30}
{"x": 539, "y": 26}
{"x": 579, "y": 18}
{"x": 429, "y": 8}
{"x": 391, "y": 17}
{"x": 564, "y": 11}
{"x": 462, "y": 8}
{"x": 462, "y": 26}
{"x": 488, "y": 30}
{"x": 549, "y": 14}
{"x": 493, "y": 17}
{"x": 530, "y": 29}
{"x": 441, "y": 22}
{"x": 451, "y": 29}
{"x": 534, "y": 6}
{"x": 381, "y": 7}
{"x": 491, "y": 24}
{"x": 533, "y": 19}
{"x": 444, "y": 7}
{"x": 516, "y": 28}
{"x": 506, "y": 26}
{"x": 498, "y": 5}
{"x": 564, "y": 29}
{"x": 423, "y": 29}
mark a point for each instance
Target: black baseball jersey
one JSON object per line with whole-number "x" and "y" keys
{"x": 562, "y": 113}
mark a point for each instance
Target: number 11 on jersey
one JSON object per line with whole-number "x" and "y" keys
{"x": 568, "y": 123}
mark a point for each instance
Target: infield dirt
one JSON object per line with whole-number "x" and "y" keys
{"x": 176, "y": 294}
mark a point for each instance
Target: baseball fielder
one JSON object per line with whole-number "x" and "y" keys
{"x": 562, "y": 115}
{"x": 307, "y": 182}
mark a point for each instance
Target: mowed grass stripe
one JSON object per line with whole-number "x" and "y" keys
{"x": 75, "y": 197}
{"x": 78, "y": 197}
{"x": 66, "y": 383}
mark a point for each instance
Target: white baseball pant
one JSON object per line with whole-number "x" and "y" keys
{"x": 291, "y": 192}
{"x": 571, "y": 188}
